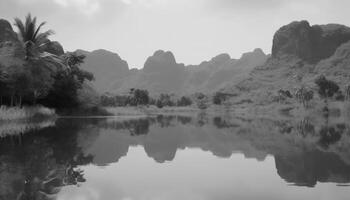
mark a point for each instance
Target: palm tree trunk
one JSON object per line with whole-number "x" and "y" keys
{"x": 11, "y": 100}
{"x": 35, "y": 96}
{"x": 20, "y": 101}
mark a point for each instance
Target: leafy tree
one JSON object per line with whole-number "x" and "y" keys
{"x": 202, "y": 101}
{"x": 42, "y": 79}
{"x": 141, "y": 97}
{"x": 159, "y": 103}
{"x": 64, "y": 93}
{"x": 184, "y": 101}
{"x": 138, "y": 97}
{"x": 326, "y": 88}
{"x": 165, "y": 99}
{"x": 152, "y": 101}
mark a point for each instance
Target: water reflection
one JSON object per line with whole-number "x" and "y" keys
{"x": 37, "y": 164}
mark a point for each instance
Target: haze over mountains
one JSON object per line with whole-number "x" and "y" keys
{"x": 162, "y": 74}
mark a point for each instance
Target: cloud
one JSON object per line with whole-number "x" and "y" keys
{"x": 145, "y": 3}
{"x": 85, "y": 6}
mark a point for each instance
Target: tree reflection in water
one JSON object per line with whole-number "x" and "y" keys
{"x": 36, "y": 164}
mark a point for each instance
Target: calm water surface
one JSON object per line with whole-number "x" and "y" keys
{"x": 176, "y": 157}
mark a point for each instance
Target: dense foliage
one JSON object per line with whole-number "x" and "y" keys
{"x": 219, "y": 98}
{"x": 201, "y": 101}
{"x": 326, "y": 88}
{"x": 41, "y": 77}
{"x": 184, "y": 101}
{"x": 64, "y": 93}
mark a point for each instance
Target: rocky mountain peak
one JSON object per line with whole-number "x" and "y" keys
{"x": 159, "y": 61}
{"x": 310, "y": 43}
{"x": 221, "y": 58}
{"x": 6, "y": 31}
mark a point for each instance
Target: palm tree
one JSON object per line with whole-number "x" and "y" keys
{"x": 34, "y": 43}
{"x": 31, "y": 37}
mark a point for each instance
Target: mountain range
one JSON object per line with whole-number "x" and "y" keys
{"x": 300, "y": 53}
{"x": 162, "y": 74}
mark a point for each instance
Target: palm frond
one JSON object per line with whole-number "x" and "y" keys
{"x": 42, "y": 38}
{"x": 38, "y": 29}
{"x": 31, "y": 28}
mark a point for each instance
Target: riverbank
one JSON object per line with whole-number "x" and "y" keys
{"x": 271, "y": 110}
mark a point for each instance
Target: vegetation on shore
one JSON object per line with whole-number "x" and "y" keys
{"x": 32, "y": 112}
{"x": 41, "y": 78}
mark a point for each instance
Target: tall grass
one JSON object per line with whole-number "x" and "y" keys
{"x": 16, "y": 113}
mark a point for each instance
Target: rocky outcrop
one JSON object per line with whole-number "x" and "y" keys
{"x": 161, "y": 73}
{"x": 11, "y": 51}
{"x": 310, "y": 43}
{"x": 6, "y": 32}
{"x": 160, "y": 60}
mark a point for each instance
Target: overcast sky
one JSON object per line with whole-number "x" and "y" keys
{"x": 194, "y": 30}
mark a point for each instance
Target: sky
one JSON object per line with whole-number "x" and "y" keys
{"x": 194, "y": 30}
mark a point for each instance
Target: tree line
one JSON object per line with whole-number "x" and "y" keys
{"x": 140, "y": 97}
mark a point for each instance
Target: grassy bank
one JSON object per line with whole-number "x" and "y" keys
{"x": 24, "y": 113}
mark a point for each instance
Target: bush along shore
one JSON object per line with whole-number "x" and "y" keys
{"x": 25, "y": 113}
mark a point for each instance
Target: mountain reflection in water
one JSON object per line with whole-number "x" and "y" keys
{"x": 37, "y": 164}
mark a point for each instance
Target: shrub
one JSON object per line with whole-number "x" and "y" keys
{"x": 326, "y": 88}
{"x": 219, "y": 98}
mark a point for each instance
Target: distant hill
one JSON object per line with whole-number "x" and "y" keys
{"x": 106, "y": 66}
{"x": 222, "y": 70}
{"x": 300, "y": 53}
{"x": 162, "y": 74}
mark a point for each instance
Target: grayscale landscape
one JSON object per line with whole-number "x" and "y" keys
{"x": 165, "y": 100}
